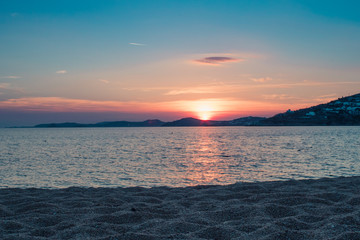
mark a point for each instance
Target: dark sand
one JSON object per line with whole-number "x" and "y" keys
{"x": 307, "y": 209}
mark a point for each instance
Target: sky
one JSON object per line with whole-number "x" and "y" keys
{"x": 91, "y": 61}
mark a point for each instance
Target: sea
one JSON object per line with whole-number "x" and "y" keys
{"x": 174, "y": 156}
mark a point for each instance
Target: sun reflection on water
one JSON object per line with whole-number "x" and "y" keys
{"x": 207, "y": 163}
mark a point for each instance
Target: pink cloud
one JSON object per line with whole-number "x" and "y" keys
{"x": 58, "y": 104}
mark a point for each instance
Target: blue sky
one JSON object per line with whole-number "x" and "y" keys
{"x": 132, "y": 60}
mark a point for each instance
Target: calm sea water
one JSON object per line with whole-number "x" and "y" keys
{"x": 111, "y": 157}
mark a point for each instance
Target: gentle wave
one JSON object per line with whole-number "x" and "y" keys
{"x": 111, "y": 157}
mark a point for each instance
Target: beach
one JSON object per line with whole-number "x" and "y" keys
{"x": 327, "y": 208}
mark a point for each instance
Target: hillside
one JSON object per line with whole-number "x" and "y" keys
{"x": 343, "y": 111}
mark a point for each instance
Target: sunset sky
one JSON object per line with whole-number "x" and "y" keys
{"x": 92, "y": 61}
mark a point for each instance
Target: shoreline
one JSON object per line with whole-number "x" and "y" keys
{"x": 250, "y": 126}
{"x": 327, "y": 208}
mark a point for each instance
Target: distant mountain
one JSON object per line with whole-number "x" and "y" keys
{"x": 246, "y": 121}
{"x": 62, "y": 125}
{"x": 187, "y": 122}
{"x": 343, "y": 111}
{"x": 147, "y": 123}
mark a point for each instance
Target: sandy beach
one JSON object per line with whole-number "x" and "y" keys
{"x": 305, "y": 209}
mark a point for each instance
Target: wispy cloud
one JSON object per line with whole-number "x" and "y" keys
{"x": 234, "y": 87}
{"x": 307, "y": 83}
{"x": 290, "y": 85}
{"x": 15, "y": 14}
{"x": 220, "y": 105}
{"x": 61, "y": 72}
{"x": 11, "y": 77}
{"x": 104, "y": 81}
{"x": 278, "y": 97}
{"x": 59, "y": 104}
{"x": 189, "y": 91}
{"x": 4, "y": 85}
{"x": 261, "y": 80}
{"x": 7, "y": 91}
{"x": 172, "y": 91}
{"x": 137, "y": 44}
{"x": 217, "y": 60}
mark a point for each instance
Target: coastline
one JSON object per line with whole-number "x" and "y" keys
{"x": 327, "y": 208}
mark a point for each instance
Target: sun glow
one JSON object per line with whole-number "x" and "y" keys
{"x": 204, "y": 110}
{"x": 204, "y": 115}
{"x": 217, "y": 108}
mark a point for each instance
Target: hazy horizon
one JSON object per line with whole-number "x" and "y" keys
{"x": 31, "y": 118}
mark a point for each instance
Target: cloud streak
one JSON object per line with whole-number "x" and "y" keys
{"x": 188, "y": 91}
{"x": 217, "y": 60}
{"x": 104, "y": 81}
{"x": 261, "y": 80}
{"x": 4, "y": 85}
{"x": 10, "y": 77}
{"x": 279, "y": 97}
{"x": 7, "y": 92}
{"x": 58, "y": 104}
{"x": 61, "y": 72}
{"x": 137, "y": 44}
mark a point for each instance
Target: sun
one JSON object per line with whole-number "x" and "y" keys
{"x": 204, "y": 116}
{"x": 204, "y": 111}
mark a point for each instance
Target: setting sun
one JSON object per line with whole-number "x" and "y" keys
{"x": 204, "y": 115}
{"x": 204, "y": 110}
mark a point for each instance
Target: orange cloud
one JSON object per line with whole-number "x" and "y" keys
{"x": 279, "y": 97}
{"x": 262, "y": 80}
{"x": 82, "y": 105}
{"x": 65, "y": 104}
{"x": 189, "y": 91}
{"x": 215, "y": 108}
